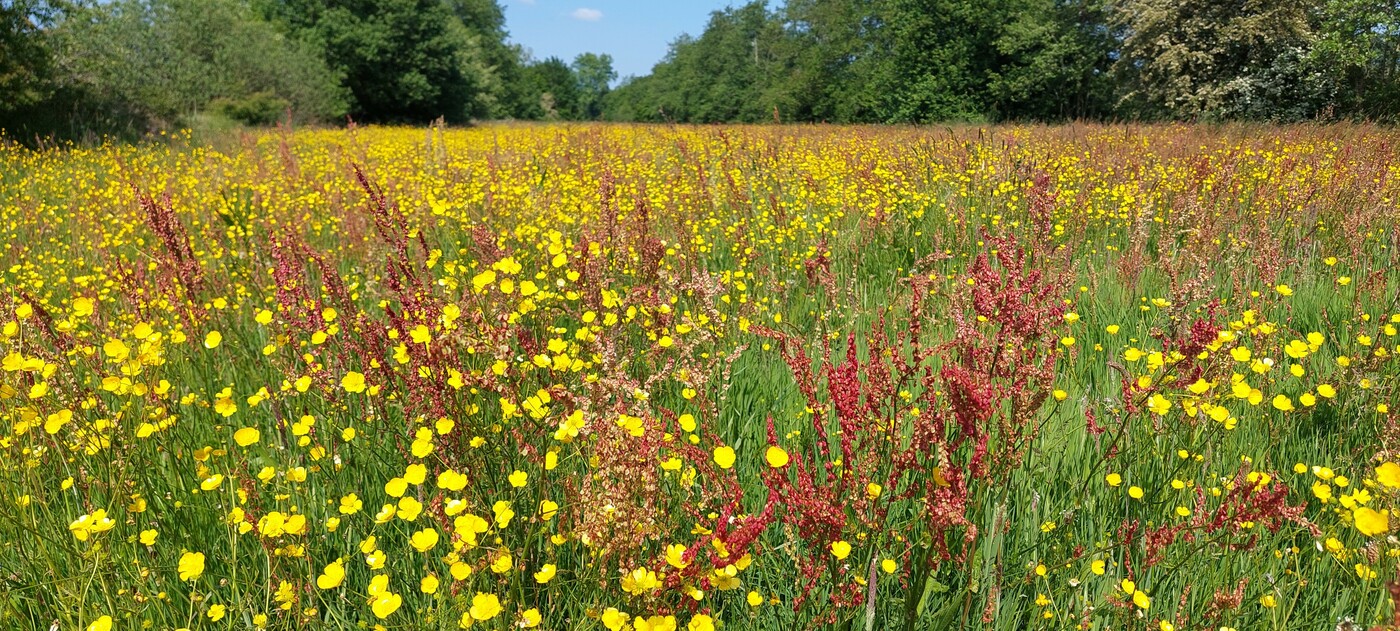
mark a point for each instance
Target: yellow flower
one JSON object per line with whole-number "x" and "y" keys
{"x": 451, "y": 480}
{"x": 529, "y": 619}
{"x": 776, "y": 457}
{"x": 148, "y": 537}
{"x": 1159, "y": 404}
{"x": 1097, "y": 567}
{"x": 386, "y": 604}
{"x": 546, "y": 573}
{"x": 1135, "y": 492}
{"x": 840, "y": 549}
{"x": 484, "y": 607}
{"x": 429, "y": 584}
{"x": 1268, "y": 601}
{"x": 212, "y": 339}
{"x": 332, "y": 576}
{"x": 191, "y": 565}
{"x": 103, "y": 623}
{"x": 246, "y": 436}
{"x": 216, "y": 612}
{"x": 1283, "y": 403}
{"x": 639, "y": 581}
{"x": 1113, "y": 479}
{"x": 212, "y": 482}
{"x": 1371, "y": 522}
{"x": 1388, "y": 474}
{"x": 424, "y": 539}
{"x": 613, "y": 619}
{"x": 675, "y": 556}
{"x": 889, "y": 566}
{"x": 409, "y": 509}
{"x": 518, "y": 478}
{"x": 1141, "y": 600}
{"x": 353, "y": 382}
{"x": 701, "y": 622}
{"x": 97, "y": 521}
{"x": 655, "y": 623}
{"x": 350, "y": 504}
{"x": 724, "y": 457}
{"x": 754, "y": 599}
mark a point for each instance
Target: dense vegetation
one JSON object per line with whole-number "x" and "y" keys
{"x": 644, "y": 378}
{"x": 79, "y": 66}
{"x": 937, "y": 60}
{"x": 127, "y": 66}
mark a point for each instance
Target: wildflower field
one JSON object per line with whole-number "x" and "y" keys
{"x": 613, "y": 377}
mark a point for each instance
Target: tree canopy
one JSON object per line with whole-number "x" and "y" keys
{"x": 918, "y": 61}
{"x": 73, "y": 67}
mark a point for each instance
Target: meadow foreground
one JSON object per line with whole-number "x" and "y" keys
{"x": 612, "y": 377}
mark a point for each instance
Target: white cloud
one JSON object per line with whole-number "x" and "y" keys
{"x": 586, "y": 15}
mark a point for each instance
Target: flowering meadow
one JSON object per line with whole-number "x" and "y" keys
{"x": 699, "y": 378}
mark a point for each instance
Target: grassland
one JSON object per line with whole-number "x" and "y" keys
{"x": 587, "y": 377}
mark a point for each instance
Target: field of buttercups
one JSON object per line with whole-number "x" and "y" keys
{"x": 699, "y": 378}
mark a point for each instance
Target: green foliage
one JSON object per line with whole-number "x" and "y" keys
{"x": 400, "y": 59}
{"x": 24, "y": 55}
{"x": 551, "y": 90}
{"x": 77, "y": 67}
{"x": 164, "y": 60}
{"x": 920, "y": 61}
{"x": 1058, "y": 54}
{"x": 494, "y": 64}
{"x": 593, "y": 74}
{"x": 262, "y": 108}
{"x": 1201, "y": 58}
{"x": 1357, "y": 55}
{"x": 834, "y": 48}
{"x": 727, "y": 74}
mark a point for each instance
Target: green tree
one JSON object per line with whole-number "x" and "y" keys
{"x": 1191, "y": 59}
{"x": 490, "y": 62}
{"x": 552, "y": 88}
{"x": 938, "y": 57}
{"x": 400, "y": 59}
{"x": 25, "y": 58}
{"x": 1057, "y": 58}
{"x": 595, "y": 75}
{"x": 1357, "y": 58}
{"x": 833, "y": 49}
{"x": 162, "y": 60}
{"x": 728, "y": 73}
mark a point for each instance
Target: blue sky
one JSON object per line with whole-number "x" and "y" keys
{"x": 635, "y": 32}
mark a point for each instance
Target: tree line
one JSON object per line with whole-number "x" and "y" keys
{"x": 920, "y": 61}
{"x": 73, "y": 67}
